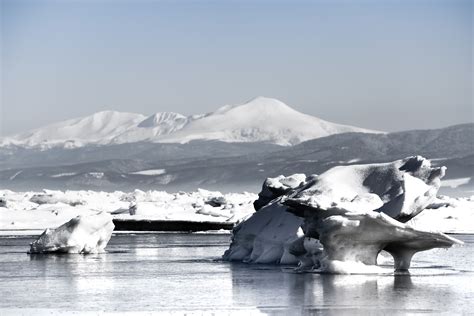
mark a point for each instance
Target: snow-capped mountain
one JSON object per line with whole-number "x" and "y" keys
{"x": 100, "y": 128}
{"x": 259, "y": 120}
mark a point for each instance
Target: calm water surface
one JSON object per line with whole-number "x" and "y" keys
{"x": 181, "y": 272}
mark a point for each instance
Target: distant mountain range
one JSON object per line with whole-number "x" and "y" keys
{"x": 233, "y": 148}
{"x": 259, "y": 120}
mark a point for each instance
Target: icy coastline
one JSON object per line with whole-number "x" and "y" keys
{"x": 23, "y": 212}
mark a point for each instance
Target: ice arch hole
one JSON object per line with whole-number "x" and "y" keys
{"x": 385, "y": 259}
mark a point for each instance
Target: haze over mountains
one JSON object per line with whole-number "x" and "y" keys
{"x": 233, "y": 148}
{"x": 259, "y": 120}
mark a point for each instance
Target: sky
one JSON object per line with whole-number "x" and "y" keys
{"x": 387, "y": 65}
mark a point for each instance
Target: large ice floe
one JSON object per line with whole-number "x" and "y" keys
{"x": 82, "y": 234}
{"x": 341, "y": 220}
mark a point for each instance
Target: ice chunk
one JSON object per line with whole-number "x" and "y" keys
{"x": 82, "y": 234}
{"x": 348, "y": 215}
{"x": 53, "y": 197}
{"x": 276, "y": 187}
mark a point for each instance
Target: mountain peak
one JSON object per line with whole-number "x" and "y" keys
{"x": 256, "y": 109}
{"x": 265, "y": 104}
{"x": 265, "y": 100}
{"x": 261, "y": 119}
{"x": 109, "y": 114}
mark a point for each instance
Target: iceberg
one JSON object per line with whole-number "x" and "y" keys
{"x": 341, "y": 220}
{"x": 82, "y": 234}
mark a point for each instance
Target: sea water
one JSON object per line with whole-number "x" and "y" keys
{"x": 178, "y": 273}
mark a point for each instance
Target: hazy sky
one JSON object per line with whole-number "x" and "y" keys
{"x": 387, "y": 65}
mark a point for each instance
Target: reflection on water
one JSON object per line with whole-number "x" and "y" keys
{"x": 354, "y": 294}
{"x": 402, "y": 282}
{"x": 178, "y": 272}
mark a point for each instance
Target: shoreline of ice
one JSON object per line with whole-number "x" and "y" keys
{"x": 21, "y": 211}
{"x": 23, "y": 217}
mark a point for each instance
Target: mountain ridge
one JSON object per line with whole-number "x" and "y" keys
{"x": 258, "y": 120}
{"x": 218, "y": 165}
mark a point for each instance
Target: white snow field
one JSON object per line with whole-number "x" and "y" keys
{"x": 341, "y": 220}
{"x": 248, "y": 122}
{"x": 26, "y": 211}
{"x": 82, "y": 234}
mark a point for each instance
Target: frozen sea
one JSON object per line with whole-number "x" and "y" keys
{"x": 178, "y": 273}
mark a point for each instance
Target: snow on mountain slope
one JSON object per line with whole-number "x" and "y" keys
{"x": 260, "y": 120}
{"x": 153, "y": 127}
{"x": 99, "y": 128}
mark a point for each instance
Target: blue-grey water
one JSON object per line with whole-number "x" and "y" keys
{"x": 179, "y": 273}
